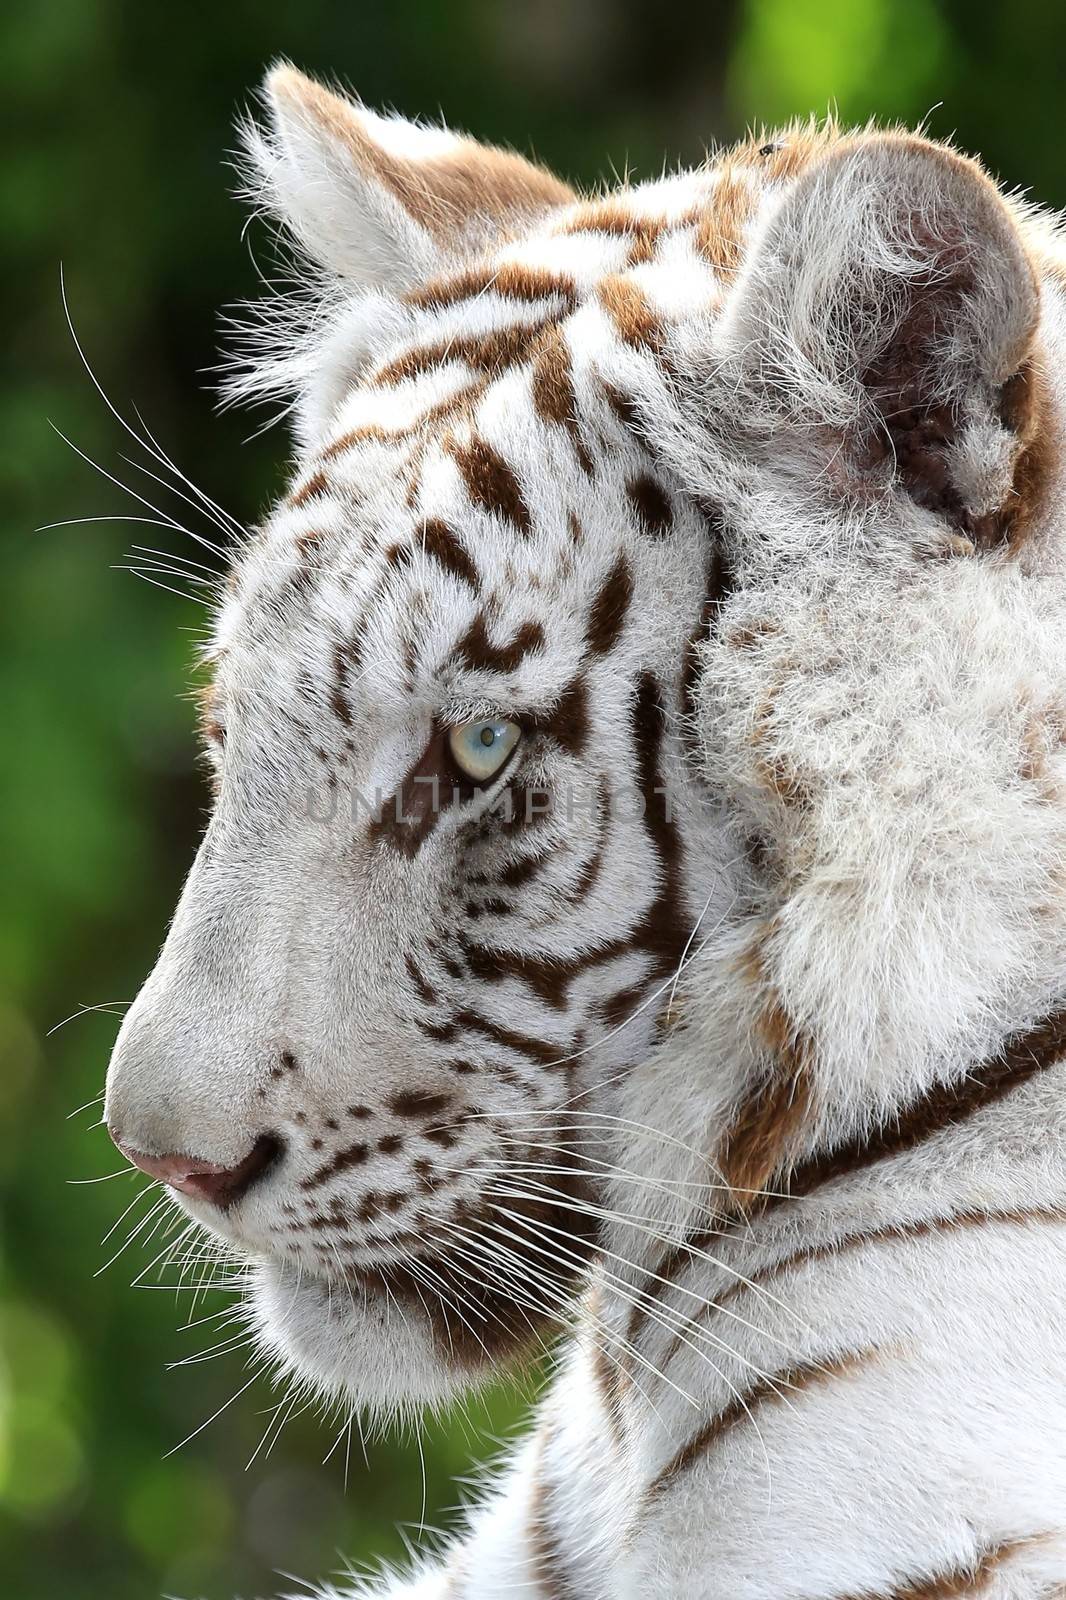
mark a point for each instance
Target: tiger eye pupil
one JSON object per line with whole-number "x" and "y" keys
{"x": 480, "y": 748}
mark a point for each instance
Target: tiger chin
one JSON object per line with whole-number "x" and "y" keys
{"x": 635, "y": 895}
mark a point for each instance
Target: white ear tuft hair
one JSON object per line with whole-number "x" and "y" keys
{"x": 372, "y": 203}
{"x": 381, "y": 201}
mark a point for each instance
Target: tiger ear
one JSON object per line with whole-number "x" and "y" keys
{"x": 380, "y": 201}
{"x": 882, "y": 314}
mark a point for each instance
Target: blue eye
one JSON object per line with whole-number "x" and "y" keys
{"x": 480, "y": 748}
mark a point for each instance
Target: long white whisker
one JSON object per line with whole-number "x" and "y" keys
{"x": 148, "y": 1187}
{"x": 95, "y": 1101}
{"x": 150, "y": 445}
{"x": 637, "y": 1301}
{"x": 170, "y": 522}
{"x": 214, "y": 1416}
{"x": 565, "y": 1301}
{"x": 194, "y": 598}
{"x": 180, "y": 494}
{"x": 222, "y": 519}
{"x": 235, "y": 1342}
{"x": 142, "y": 564}
{"x": 641, "y": 1224}
{"x": 122, "y": 1172}
{"x": 167, "y": 1252}
{"x": 84, "y": 1011}
{"x": 649, "y": 1301}
{"x": 185, "y": 561}
{"x": 153, "y": 1211}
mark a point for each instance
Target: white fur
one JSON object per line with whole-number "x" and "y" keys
{"x": 908, "y": 904}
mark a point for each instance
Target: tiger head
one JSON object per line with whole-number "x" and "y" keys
{"x": 469, "y": 828}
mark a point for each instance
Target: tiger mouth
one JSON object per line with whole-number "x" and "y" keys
{"x": 500, "y": 1293}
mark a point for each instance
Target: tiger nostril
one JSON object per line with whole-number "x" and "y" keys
{"x": 207, "y": 1180}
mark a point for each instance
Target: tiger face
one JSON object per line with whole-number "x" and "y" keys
{"x": 457, "y": 848}
{"x": 464, "y": 838}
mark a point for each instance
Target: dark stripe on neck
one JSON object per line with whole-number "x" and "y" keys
{"x": 942, "y": 1107}
{"x": 780, "y": 1389}
{"x": 551, "y": 1570}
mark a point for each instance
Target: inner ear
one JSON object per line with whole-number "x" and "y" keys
{"x": 890, "y": 309}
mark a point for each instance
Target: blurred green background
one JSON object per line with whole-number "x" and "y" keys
{"x": 120, "y": 117}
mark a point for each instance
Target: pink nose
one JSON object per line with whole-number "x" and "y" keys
{"x": 205, "y": 1180}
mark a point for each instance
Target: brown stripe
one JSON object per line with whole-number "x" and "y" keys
{"x": 771, "y": 1123}
{"x": 624, "y": 407}
{"x": 338, "y": 696}
{"x": 927, "y": 1228}
{"x": 610, "y": 217}
{"x": 306, "y": 541}
{"x": 432, "y": 785}
{"x": 630, "y": 310}
{"x": 512, "y": 281}
{"x": 662, "y": 930}
{"x": 521, "y": 871}
{"x": 961, "y": 1583}
{"x": 490, "y": 481}
{"x": 442, "y": 543}
{"x": 651, "y": 504}
{"x": 315, "y": 485}
{"x": 609, "y": 609}
{"x": 549, "y": 979}
{"x": 552, "y": 391}
{"x": 609, "y": 1378}
{"x": 568, "y": 720}
{"x": 548, "y": 1561}
{"x": 478, "y": 653}
{"x": 489, "y": 353}
{"x": 1027, "y": 412}
{"x": 720, "y": 227}
{"x": 343, "y": 1161}
{"x": 546, "y": 1055}
{"x": 719, "y": 583}
{"x": 590, "y": 869}
{"x": 668, "y": 1267}
{"x": 419, "y": 1102}
{"x": 616, "y": 1009}
{"x": 368, "y": 432}
{"x": 942, "y": 1107}
{"x": 780, "y": 1388}
{"x": 414, "y": 972}
{"x": 416, "y": 428}
{"x": 894, "y": 1233}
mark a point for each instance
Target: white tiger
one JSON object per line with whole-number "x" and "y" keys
{"x": 636, "y": 890}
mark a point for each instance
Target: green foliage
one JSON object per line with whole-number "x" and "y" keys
{"x": 122, "y": 114}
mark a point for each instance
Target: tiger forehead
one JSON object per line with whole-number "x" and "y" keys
{"x": 403, "y": 613}
{"x": 474, "y": 327}
{"x": 474, "y": 534}
{"x": 365, "y": 532}
{"x": 505, "y": 318}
